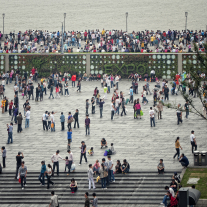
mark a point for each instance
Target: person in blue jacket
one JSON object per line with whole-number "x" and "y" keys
{"x": 69, "y": 137}
{"x": 184, "y": 160}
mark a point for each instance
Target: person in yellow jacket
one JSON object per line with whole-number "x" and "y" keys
{"x": 151, "y": 40}
{"x": 3, "y": 102}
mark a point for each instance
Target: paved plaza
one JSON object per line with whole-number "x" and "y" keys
{"x": 133, "y": 139}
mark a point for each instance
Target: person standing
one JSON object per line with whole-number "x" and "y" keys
{"x": 166, "y": 92}
{"x": 79, "y": 85}
{"x": 90, "y": 177}
{"x": 179, "y": 114}
{"x": 70, "y": 120}
{"x": 62, "y": 120}
{"x": 75, "y": 116}
{"x": 10, "y": 107}
{"x": 3, "y": 150}
{"x": 110, "y": 171}
{"x": 51, "y": 91}
{"x": 23, "y": 174}
{"x": 19, "y": 158}
{"x": 112, "y": 109}
{"x": 70, "y": 159}
{"x": 49, "y": 174}
{"x": 19, "y": 122}
{"x": 101, "y": 107}
{"x": 27, "y": 116}
{"x": 87, "y": 106}
{"x": 83, "y": 152}
{"x": 87, "y": 125}
{"x": 44, "y": 120}
{"x": 131, "y": 94}
{"x": 54, "y": 200}
{"x": 25, "y": 106}
{"x": 193, "y": 141}
{"x": 69, "y": 136}
{"x": 94, "y": 201}
{"x": 152, "y": 116}
{"x": 186, "y": 107}
{"x": 42, "y": 174}
{"x": 107, "y": 169}
{"x": 105, "y": 91}
{"x": 103, "y": 173}
{"x": 147, "y": 87}
{"x": 52, "y": 122}
{"x": 66, "y": 88}
{"x": 55, "y": 160}
{"x": 177, "y": 147}
{"x": 160, "y": 109}
{"x": 10, "y": 132}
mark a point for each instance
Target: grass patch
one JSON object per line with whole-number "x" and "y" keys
{"x": 202, "y": 183}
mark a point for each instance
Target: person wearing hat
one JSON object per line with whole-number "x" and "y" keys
{"x": 55, "y": 160}
{"x": 83, "y": 152}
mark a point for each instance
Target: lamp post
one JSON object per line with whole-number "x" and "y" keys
{"x": 3, "y": 15}
{"x": 62, "y": 39}
{"x": 126, "y": 20}
{"x": 64, "y": 21}
{"x": 186, "y": 15}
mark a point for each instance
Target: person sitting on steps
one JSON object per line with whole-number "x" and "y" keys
{"x": 103, "y": 143}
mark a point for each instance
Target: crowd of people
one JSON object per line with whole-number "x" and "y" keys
{"x": 42, "y": 41}
{"x": 106, "y": 170}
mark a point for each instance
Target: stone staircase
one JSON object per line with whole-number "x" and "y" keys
{"x": 135, "y": 188}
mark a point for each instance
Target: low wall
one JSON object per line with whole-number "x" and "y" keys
{"x": 166, "y": 65}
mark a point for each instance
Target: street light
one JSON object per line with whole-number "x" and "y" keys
{"x": 64, "y": 21}
{"x": 3, "y": 15}
{"x": 62, "y": 39}
{"x": 186, "y": 15}
{"x": 126, "y": 20}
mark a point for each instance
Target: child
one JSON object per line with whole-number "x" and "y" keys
{"x": 112, "y": 149}
{"x": 66, "y": 163}
{"x": 90, "y": 177}
{"x": 162, "y": 100}
{"x": 91, "y": 152}
{"x": 103, "y": 143}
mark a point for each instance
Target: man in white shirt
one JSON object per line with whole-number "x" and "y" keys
{"x": 55, "y": 159}
{"x": 152, "y": 116}
{"x": 27, "y": 116}
{"x": 16, "y": 88}
{"x": 193, "y": 141}
{"x": 117, "y": 81}
{"x": 166, "y": 197}
{"x": 54, "y": 200}
{"x": 70, "y": 158}
{"x": 44, "y": 120}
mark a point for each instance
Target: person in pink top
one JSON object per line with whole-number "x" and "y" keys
{"x": 96, "y": 167}
{"x": 138, "y": 109}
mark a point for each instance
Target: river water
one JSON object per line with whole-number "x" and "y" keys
{"x": 108, "y": 14}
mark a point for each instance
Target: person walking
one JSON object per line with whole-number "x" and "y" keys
{"x": 152, "y": 116}
{"x": 19, "y": 158}
{"x": 87, "y": 202}
{"x": 186, "y": 107}
{"x": 87, "y": 106}
{"x": 51, "y": 91}
{"x": 83, "y": 152}
{"x": 19, "y": 122}
{"x": 123, "y": 107}
{"x": 94, "y": 201}
{"x": 69, "y": 136}
{"x": 48, "y": 175}
{"x": 147, "y": 87}
{"x": 62, "y": 120}
{"x": 42, "y": 173}
{"x": 75, "y": 116}
{"x": 177, "y": 148}
{"x": 131, "y": 94}
{"x": 27, "y": 116}
{"x": 44, "y": 120}
{"x": 193, "y": 141}
{"x": 106, "y": 166}
{"x": 70, "y": 159}
{"x": 66, "y": 88}
{"x": 90, "y": 177}
{"x": 54, "y": 200}
{"x": 55, "y": 160}
{"x": 23, "y": 174}
{"x": 10, "y": 132}
{"x": 112, "y": 109}
{"x": 3, "y": 151}
{"x": 179, "y": 114}
{"x": 87, "y": 125}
